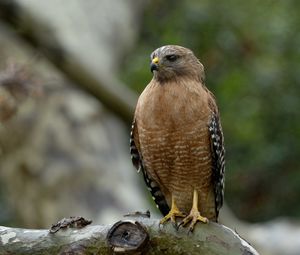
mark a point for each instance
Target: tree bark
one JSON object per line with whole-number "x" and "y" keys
{"x": 209, "y": 238}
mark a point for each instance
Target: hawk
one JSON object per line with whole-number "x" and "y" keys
{"x": 177, "y": 140}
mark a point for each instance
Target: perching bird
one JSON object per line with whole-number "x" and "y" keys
{"x": 177, "y": 140}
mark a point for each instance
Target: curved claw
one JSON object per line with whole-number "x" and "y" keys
{"x": 172, "y": 216}
{"x": 174, "y": 212}
{"x": 194, "y": 215}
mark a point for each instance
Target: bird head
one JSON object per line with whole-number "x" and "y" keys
{"x": 173, "y": 62}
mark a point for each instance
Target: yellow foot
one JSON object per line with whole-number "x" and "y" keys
{"x": 174, "y": 212}
{"x": 172, "y": 216}
{"x": 193, "y": 217}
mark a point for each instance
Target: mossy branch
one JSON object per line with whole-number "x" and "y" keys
{"x": 209, "y": 238}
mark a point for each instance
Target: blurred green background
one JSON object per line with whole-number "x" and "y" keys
{"x": 250, "y": 50}
{"x": 70, "y": 76}
{"x": 251, "y": 54}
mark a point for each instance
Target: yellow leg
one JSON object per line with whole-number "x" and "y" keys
{"x": 174, "y": 212}
{"x": 194, "y": 215}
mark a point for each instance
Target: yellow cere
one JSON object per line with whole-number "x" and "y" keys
{"x": 155, "y": 60}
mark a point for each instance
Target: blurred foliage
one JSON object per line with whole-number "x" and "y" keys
{"x": 251, "y": 53}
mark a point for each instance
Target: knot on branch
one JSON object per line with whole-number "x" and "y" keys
{"x": 127, "y": 237}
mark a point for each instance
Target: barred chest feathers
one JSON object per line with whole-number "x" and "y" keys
{"x": 172, "y": 105}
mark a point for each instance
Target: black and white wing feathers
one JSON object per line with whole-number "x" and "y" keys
{"x": 137, "y": 161}
{"x": 218, "y": 156}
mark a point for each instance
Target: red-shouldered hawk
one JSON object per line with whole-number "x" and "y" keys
{"x": 177, "y": 140}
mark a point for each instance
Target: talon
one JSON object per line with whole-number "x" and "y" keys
{"x": 194, "y": 215}
{"x": 174, "y": 224}
{"x": 174, "y": 212}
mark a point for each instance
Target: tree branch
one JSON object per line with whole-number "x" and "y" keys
{"x": 209, "y": 238}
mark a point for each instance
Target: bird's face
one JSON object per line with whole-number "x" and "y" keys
{"x": 172, "y": 61}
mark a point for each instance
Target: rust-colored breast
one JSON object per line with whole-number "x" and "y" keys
{"x": 172, "y": 122}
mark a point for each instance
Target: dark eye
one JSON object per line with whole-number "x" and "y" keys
{"x": 172, "y": 57}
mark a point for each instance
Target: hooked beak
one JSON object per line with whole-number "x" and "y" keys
{"x": 154, "y": 64}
